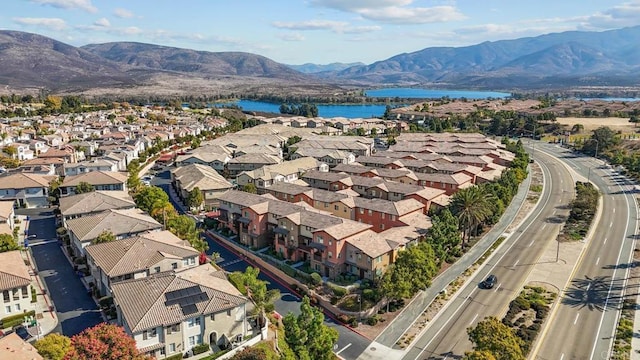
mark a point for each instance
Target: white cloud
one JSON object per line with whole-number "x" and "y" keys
{"x": 626, "y": 14}
{"x": 85, "y": 5}
{"x": 406, "y": 15}
{"x": 102, "y": 22}
{"x": 394, "y": 11}
{"x": 50, "y": 23}
{"x": 339, "y": 27}
{"x": 122, "y": 13}
{"x": 291, "y": 37}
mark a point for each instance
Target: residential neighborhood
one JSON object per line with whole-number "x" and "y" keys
{"x": 293, "y": 189}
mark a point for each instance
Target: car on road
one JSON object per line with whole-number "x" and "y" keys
{"x": 489, "y": 282}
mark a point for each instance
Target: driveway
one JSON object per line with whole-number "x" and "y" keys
{"x": 76, "y": 310}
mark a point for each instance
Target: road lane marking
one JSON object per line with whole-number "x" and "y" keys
{"x": 576, "y": 320}
{"x": 588, "y": 287}
{"x": 497, "y": 287}
{"x": 543, "y": 226}
{"x": 605, "y": 241}
{"x": 597, "y": 261}
{"x": 611, "y": 225}
{"x": 562, "y": 356}
{"x": 614, "y": 210}
{"x": 343, "y": 349}
{"x": 531, "y": 243}
{"x": 474, "y": 319}
{"x": 516, "y": 264}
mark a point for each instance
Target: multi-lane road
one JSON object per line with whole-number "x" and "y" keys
{"x": 446, "y": 337}
{"x": 584, "y": 322}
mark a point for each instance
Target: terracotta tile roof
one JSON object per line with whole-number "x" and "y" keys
{"x": 6, "y": 209}
{"x": 346, "y": 229}
{"x": 119, "y": 222}
{"x": 96, "y": 178}
{"x": 370, "y": 243}
{"x": 14, "y": 348}
{"x": 135, "y": 254}
{"x": 13, "y": 272}
{"x": 24, "y": 180}
{"x": 170, "y": 298}
{"x": 201, "y": 176}
{"x": 397, "y": 208}
{"x": 95, "y": 201}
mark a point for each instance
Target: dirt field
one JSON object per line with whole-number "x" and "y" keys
{"x": 615, "y": 123}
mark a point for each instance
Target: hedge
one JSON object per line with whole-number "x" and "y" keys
{"x": 201, "y": 348}
{"x": 13, "y": 320}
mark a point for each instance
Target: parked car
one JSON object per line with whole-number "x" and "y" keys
{"x": 21, "y": 331}
{"x": 490, "y": 281}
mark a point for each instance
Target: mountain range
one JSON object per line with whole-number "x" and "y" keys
{"x": 558, "y": 60}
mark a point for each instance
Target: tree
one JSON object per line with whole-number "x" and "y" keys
{"x": 185, "y": 228}
{"x": 149, "y": 196}
{"x": 105, "y": 236}
{"x": 633, "y": 119}
{"x": 471, "y": 206}
{"x": 491, "y": 335}
{"x": 307, "y": 334}
{"x": 444, "y": 235}
{"x": 195, "y": 198}
{"x": 256, "y": 290}
{"x": 479, "y": 355}
{"x": 53, "y": 346}
{"x": 8, "y": 243}
{"x": 105, "y": 342}
{"x": 84, "y": 187}
{"x": 602, "y": 140}
{"x": 577, "y": 128}
{"x": 133, "y": 181}
{"x": 250, "y": 188}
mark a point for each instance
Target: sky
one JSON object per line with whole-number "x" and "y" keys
{"x": 312, "y": 31}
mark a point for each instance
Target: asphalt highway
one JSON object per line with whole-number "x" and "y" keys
{"x": 584, "y": 323}
{"x": 446, "y": 337}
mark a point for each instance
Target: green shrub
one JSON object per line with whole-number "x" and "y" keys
{"x": 353, "y": 322}
{"x": 200, "y": 348}
{"x": 105, "y": 302}
{"x": 316, "y": 279}
{"x": 34, "y": 295}
{"x": 236, "y": 279}
{"x": 338, "y": 291}
{"x": 13, "y": 320}
{"x": 373, "y": 320}
{"x": 370, "y": 294}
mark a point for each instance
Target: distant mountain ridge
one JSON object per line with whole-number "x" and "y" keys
{"x": 559, "y": 60}
{"x": 573, "y": 57}
{"x": 310, "y": 68}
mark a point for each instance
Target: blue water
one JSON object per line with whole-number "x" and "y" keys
{"x": 411, "y": 93}
{"x": 368, "y": 110}
{"x": 326, "y": 111}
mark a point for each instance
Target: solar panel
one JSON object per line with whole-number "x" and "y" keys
{"x": 189, "y": 309}
{"x": 186, "y": 297}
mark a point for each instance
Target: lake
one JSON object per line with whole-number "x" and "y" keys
{"x": 612, "y": 99}
{"x": 351, "y": 111}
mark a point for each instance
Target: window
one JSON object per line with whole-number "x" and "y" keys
{"x": 339, "y": 255}
{"x": 145, "y": 335}
{"x": 174, "y": 265}
{"x": 381, "y": 226}
{"x": 330, "y": 255}
{"x": 229, "y": 312}
{"x": 17, "y": 307}
{"x": 370, "y": 212}
{"x": 192, "y": 261}
{"x": 330, "y": 242}
{"x": 5, "y": 295}
{"x": 213, "y": 317}
{"x": 192, "y": 340}
{"x": 319, "y": 239}
{"x": 361, "y": 211}
{"x": 193, "y": 322}
{"x": 25, "y": 292}
{"x": 172, "y": 347}
{"x": 162, "y": 351}
{"x": 153, "y": 332}
{"x": 7, "y": 309}
{"x": 157, "y": 269}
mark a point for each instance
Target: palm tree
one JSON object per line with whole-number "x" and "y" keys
{"x": 471, "y": 206}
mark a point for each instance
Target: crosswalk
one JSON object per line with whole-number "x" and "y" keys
{"x": 228, "y": 263}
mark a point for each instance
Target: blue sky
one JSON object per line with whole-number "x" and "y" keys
{"x": 317, "y": 31}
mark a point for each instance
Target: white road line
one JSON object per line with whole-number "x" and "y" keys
{"x": 516, "y": 264}
{"x": 497, "y": 287}
{"x": 611, "y": 225}
{"x": 614, "y": 210}
{"x": 531, "y": 243}
{"x": 576, "y": 320}
{"x": 474, "y": 319}
{"x": 343, "y": 349}
{"x": 605, "y": 241}
{"x": 543, "y": 226}
{"x": 588, "y": 287}
{"x": 597, "y": 261}
{"x": 562, "y": 356}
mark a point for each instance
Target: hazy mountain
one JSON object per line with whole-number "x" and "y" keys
{"x": 34, "y": 61}
{"x": 563, "y": 58}
{"x": 202, "y": 63}
{"x": 310, "y": 68}
{"x": 553, "y": 60}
